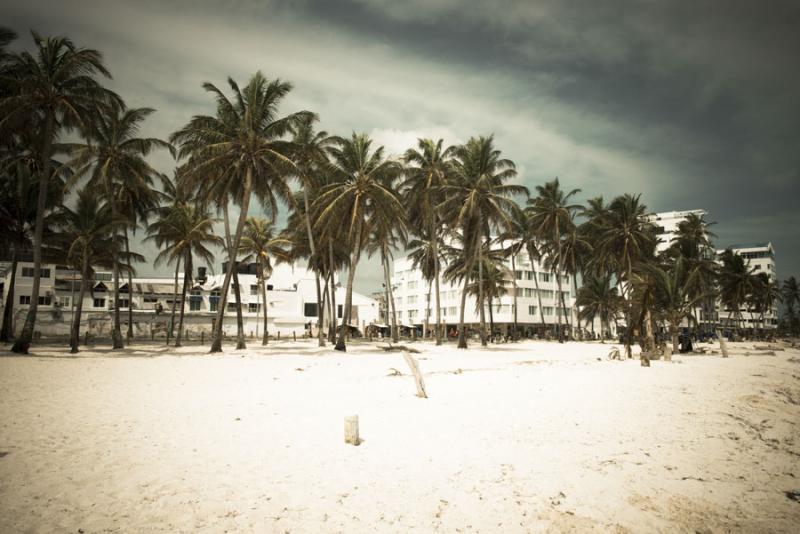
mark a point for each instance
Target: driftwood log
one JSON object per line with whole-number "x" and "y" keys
{"x": 400, "y": 348}
{"x": 414, "y": 366}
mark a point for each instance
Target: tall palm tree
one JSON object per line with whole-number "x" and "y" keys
{"x": 623, "y": 239}
{"x": 261, "y": 245}
{"x": 598, "y": 298}
{"x": 114, "y": 159}
{"x": 766, "y": 293}
{"x": 363, "y": 190}
{"x": 422, "y": 251}
{"x": 185, "y": 231}
{"x": 87, "y": 235}
{"x": 241, "y": 150}
{"x": 311, "y": 159}
{"x": 576, "y": 249}
{"x": 387, "y": 234}
{"x": 57, "y": 86}
{"x": 427, "y": 170}
{"x": 552, "y": 215}
{"x": 479, "y": 200}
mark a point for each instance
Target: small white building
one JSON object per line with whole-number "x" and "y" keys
{"x": 291, "y": 304}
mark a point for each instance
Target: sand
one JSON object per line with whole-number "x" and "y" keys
{"x": 521, "y": 437}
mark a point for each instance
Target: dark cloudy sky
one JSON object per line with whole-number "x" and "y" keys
{"x": 693, "y": 104}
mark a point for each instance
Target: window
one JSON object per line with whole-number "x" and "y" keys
{"x": 529, "y": 292}
{"x": 544, "y": 277}
{"x": 547, "y": 310}
{"x": 254, "y": 307}
{"x": 102, "y": 277}
{"x": 546, "y": 293}
{"x": 518, "y": 275}
{"x": 412, "y": 314}
{"x": 24, "y": 299}
{"x": 310, "y": 309}
{"x": 150, "y": 300}
{"x": 412, "y": 299}
{"x": 531, "y": 310}
{"x": 124, "y": 303}
{"x": 99, "y": 303}
{"x": 412, "y": 284}
{"x": 64, "y": 302}
{"x": 213, "y": 300}
{"x": 529, "y": 275}
{"x": 451, "y": 310}
{"x": 44, "y": 301}
{"x": 194, "y": 304}
{"x": 253, "y": 289}
{"x": 339, "y": 310}
{"x": 28, "y": 272}
{"x": 231, "y": 307}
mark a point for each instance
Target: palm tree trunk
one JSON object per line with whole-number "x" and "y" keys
{"x": 578, "y": 308}
{"x": 265, "y": 334}
{"x": 171, "y": 328}
{"x": 491, "y": 318}
{"x": 187, "y": 275}
{"x": 436, "y": 268}
{"x": 23, "y": 342}
{"x": 390, "y": 297}
{"x": 75, "y": 332}
{"x": 462, "y": 335}
{"x": 480, "y": 281}
{"x": 311, "y": 245}
{"x": 538, "y": 293}
{"x": 334, "y": 309}
{"x": 237, "y": 296}
{"x": 427, "y": 328}
{"x": 8, "y": 309}
{"x": 348, "y": 299}
{"x": 129, "y": 334}
{"x": 514, "y": 282}
{"x": 216, "y": 344}
{"x": 116, "y": 332}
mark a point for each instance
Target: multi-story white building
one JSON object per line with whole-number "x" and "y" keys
{"x": 291, "y": 302}
{"x": 411, "y": 300}
{"x": 666, "y": 224}
{"x": 760, "y": 257}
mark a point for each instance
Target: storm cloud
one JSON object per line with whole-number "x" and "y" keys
{"x": 692, "y": 104}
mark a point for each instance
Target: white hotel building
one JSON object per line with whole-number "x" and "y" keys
{"x": 759, "y": 256}
{"x": 291, "y": 303}
{"x": 411, "y": 292}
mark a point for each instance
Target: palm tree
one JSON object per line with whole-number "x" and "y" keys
{"x": 260, "y": 244}
{"x": 426, "y": 172}
{"x": 387, "y": 233}
{"x": 87, "y": 235}
{"x": 790, "y": 295}
{"x": 552, "y": 215}
{"x": 19, "y": 190}
{"x": 623, "y": 239}
{"x": 58, "y": 87}
{"x": 114, "y": 158}
{"x": 310, "y": 160}
{"x": 478, "y": 200}
{"x": 598, "y": 298}
{"x": 736, "y": 284}
{"x": 575, "y": 252}
{"x": 766, "y": 293}
{"x": 422, "y": 252}
{"x": 673, "y": 294}
{"x": 239, "y": 151}
{"x": 185, "y": 231}
{"x": 362, "y": 191}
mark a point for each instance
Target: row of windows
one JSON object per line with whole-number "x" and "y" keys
{"x": 544, "y": 293}
{"x": 543, "y": 276}
{"x": 27, "y": 272}
{"x": 452, "y": 311}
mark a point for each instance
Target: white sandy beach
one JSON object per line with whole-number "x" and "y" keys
{"x": 521, "y": 437}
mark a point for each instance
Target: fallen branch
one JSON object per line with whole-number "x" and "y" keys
{"x": 414, "y": 366}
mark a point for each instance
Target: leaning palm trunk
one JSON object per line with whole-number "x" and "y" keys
{"x": 8, "y": 309}
{"x": 216, "y": 345}
{"x": 75, "y": 332}
{"x": 436, "y": 269}
{"x": 427, "y": 327}
{"x": 240, "y": 343}
{"x": 187, "y": 275}
{"x": 348, "y": 299}
{"x": 538, "y": 293}
{"x": 462, "y": 335}
{"x": 491, "y": 319}
{"x": 480, "y": 285}
{"x": 390, "y": 297}
{"x": 171, "y": 328}
{"x": 129, "y": 334}
{"x": 334, "y": 310}
{"x": 311, "y": 245}
{"x": 23, "y": 342}
{"x": 116, "y": 332}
